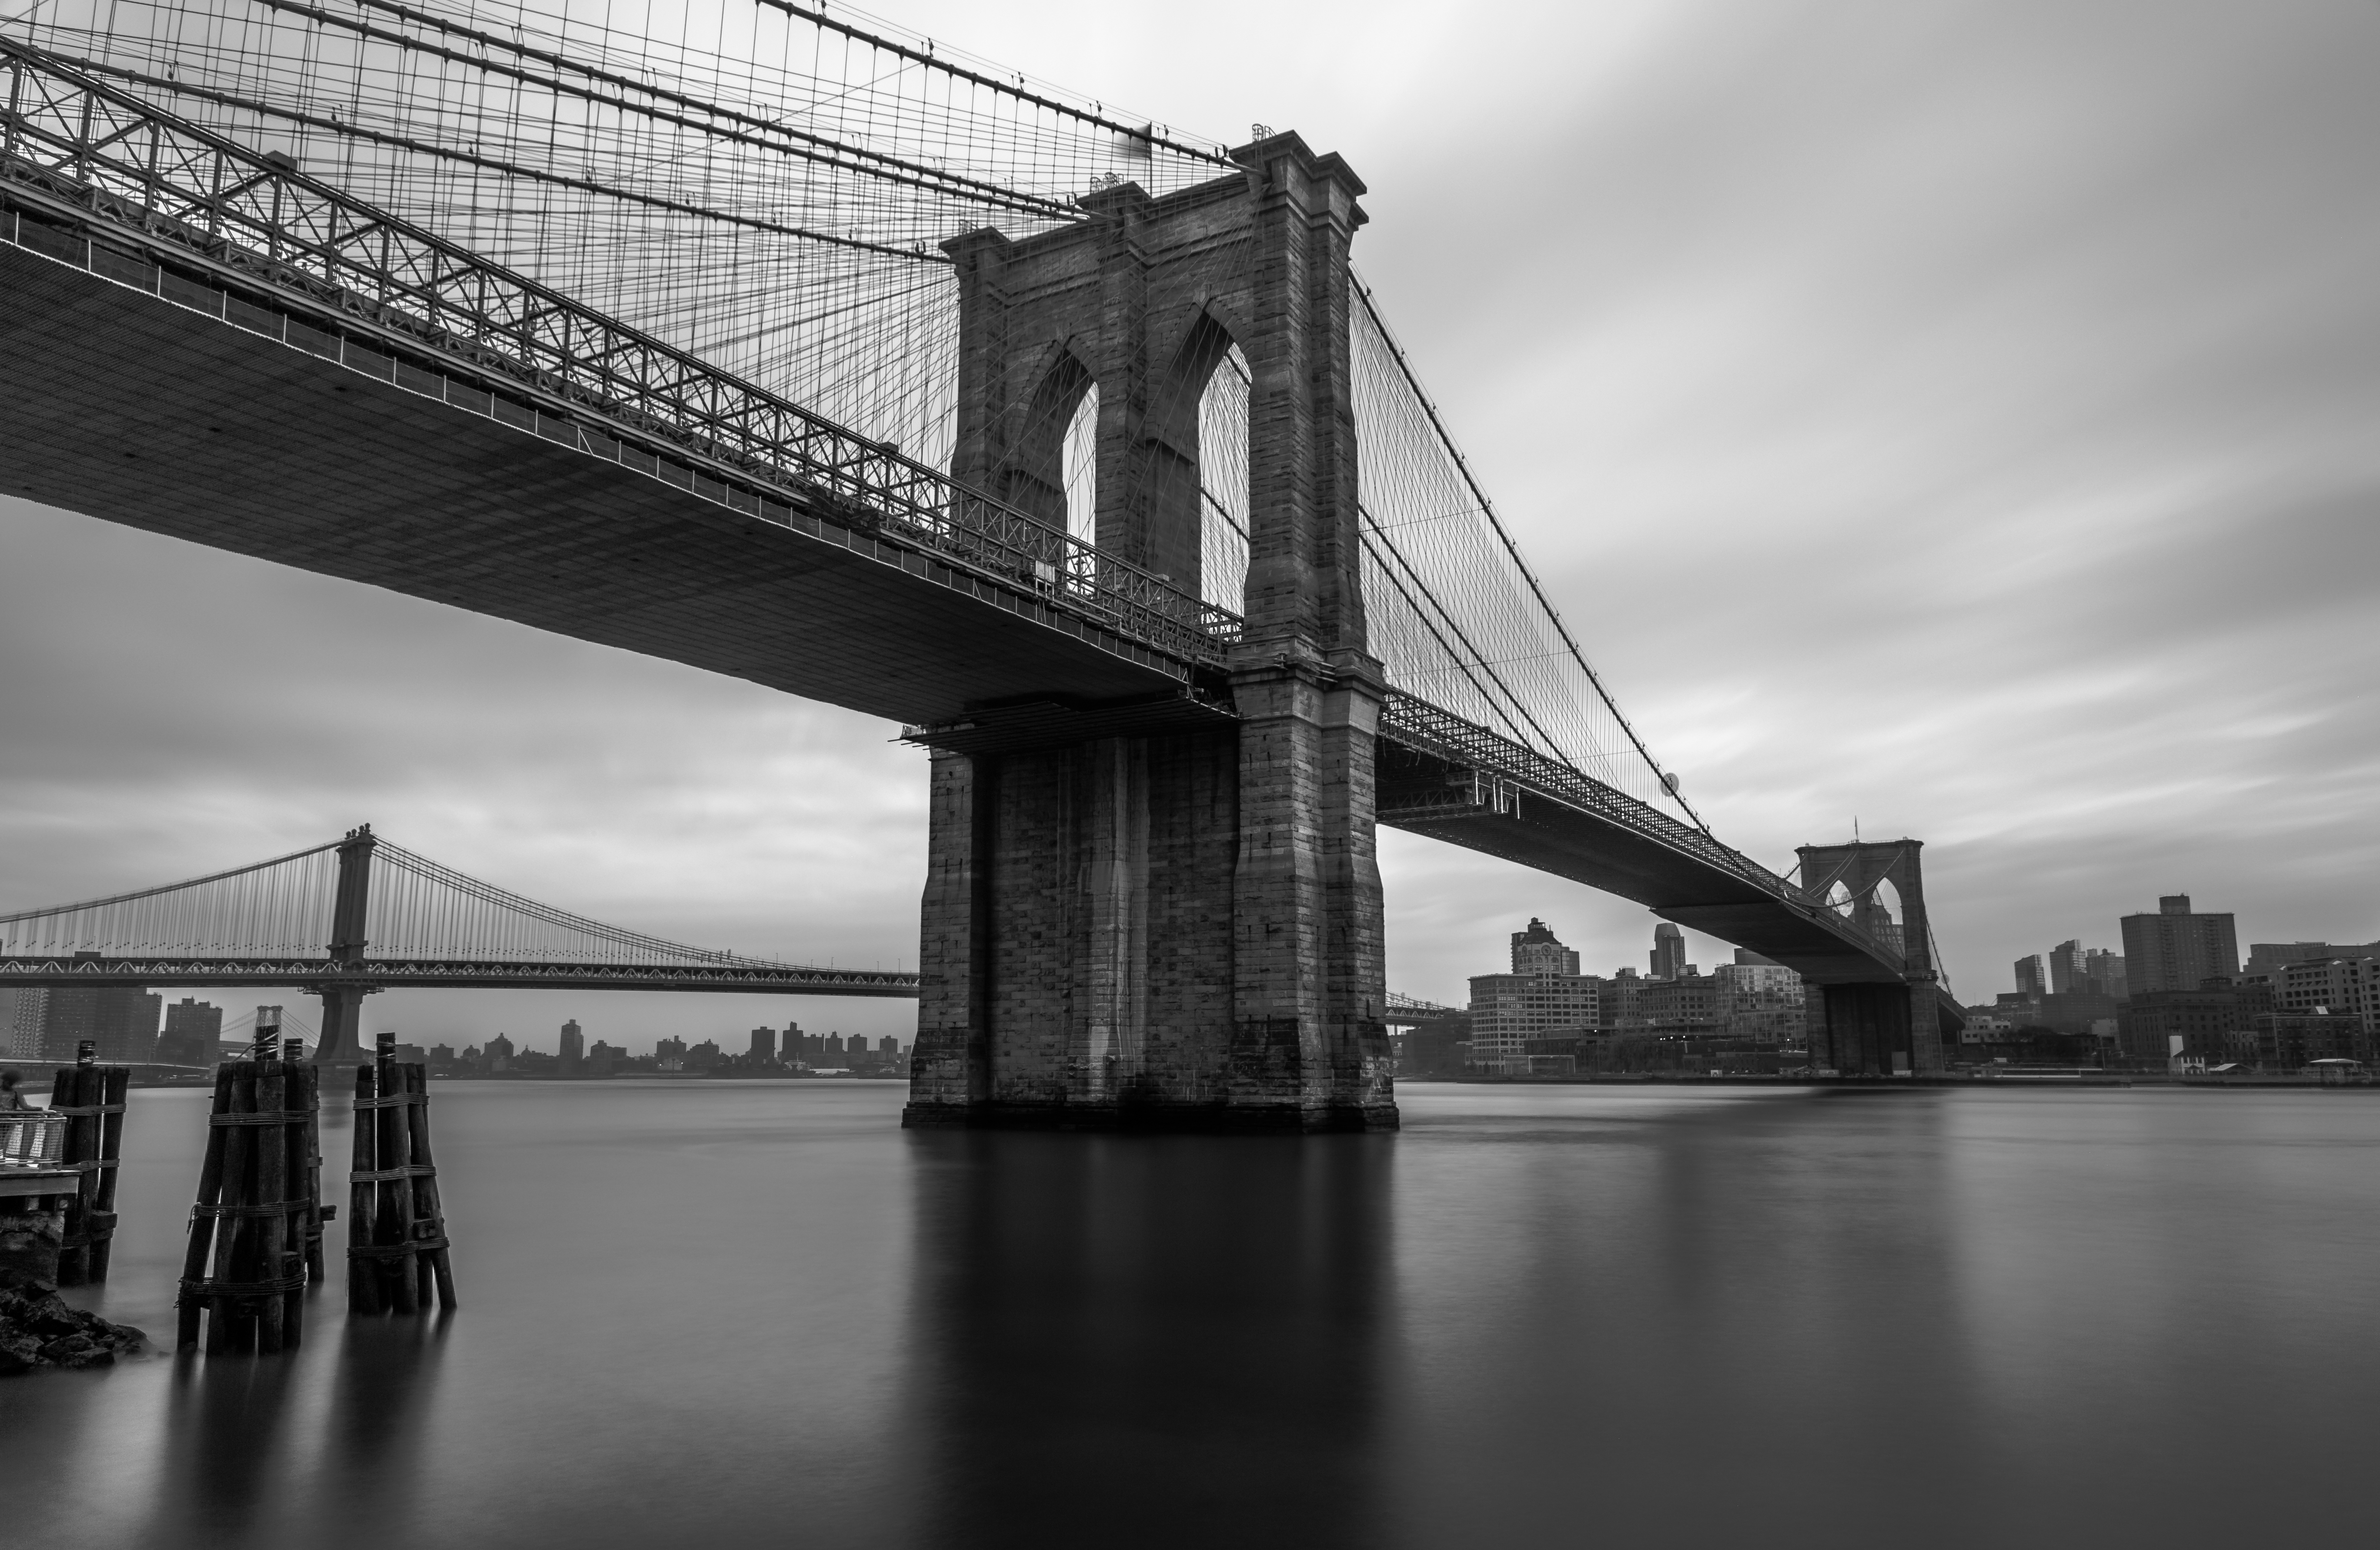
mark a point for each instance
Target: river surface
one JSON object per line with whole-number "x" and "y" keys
{"x": 721, "y": 1314}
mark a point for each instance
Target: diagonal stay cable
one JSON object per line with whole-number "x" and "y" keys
{"x": 1446, "y": 439}
{"x": 498, "y": 164}
{"x": 167, "y": 888}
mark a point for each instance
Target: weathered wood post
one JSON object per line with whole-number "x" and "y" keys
{"x": 256, "y": 1204}
{"x": 363, "y": 1278}
{"x": 91, "y": 1097}
{"x": 204, "y": 1215}
{"x": 429, "y": 1216}
{"x": 396, "y": 1230}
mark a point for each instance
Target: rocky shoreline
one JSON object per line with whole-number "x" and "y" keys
{"x": 37, "y": 1329}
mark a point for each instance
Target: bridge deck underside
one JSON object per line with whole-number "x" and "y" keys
{"x": 126, "y": 406}
{"x": 1606, "y": 854}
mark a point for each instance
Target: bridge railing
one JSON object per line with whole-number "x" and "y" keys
{"x": 80, "y": 148}
{"x": 1418, "y": 724}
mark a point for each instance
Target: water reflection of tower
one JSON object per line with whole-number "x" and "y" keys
{"x": 1101, "y": 1324}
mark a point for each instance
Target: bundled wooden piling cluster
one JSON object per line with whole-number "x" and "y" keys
{"x": 256, "y": 1232}
{"x": 91, "y": 1097}
{"x": 396, "y": 1233}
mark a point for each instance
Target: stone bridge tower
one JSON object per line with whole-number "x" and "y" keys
{"x": 1880, "y": 1029}
{"x": 1169, "y": 915}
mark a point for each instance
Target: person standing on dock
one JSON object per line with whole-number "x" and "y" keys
{"x": 10, "y": 1099}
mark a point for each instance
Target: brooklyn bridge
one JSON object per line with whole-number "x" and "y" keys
{"x": 1075, "y": 444}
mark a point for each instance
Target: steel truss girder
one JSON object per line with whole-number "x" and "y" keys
{"x": 75, "y": 146}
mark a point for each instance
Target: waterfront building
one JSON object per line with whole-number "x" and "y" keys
{"x": 2266, "y": 957}
{"x": 669, "y": 1049}
{"x": 2210, "y": 1021}
{"x": 500, "y": 1054}
{"x": 1764, "y": 1003}
{"x": 444, "y": 1055}
{"x": 572, "y": 1048}
{"x": 1616, "y": 1001}
{"x": 193, "y": 1029}
{"x": 1986, "y": 1027}
{"x": 2179, "y": 949}
{"x": 889, "y": 1047}
{"x": 2291, "y": 1040}
{"x": 2334, "y": 986}
{"x": 764, "y": 1046}
{"x": 1684, "y": 1006}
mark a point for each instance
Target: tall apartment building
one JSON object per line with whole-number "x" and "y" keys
{"x": 764, "y": 1045}
{"x": 1668, "y": 951}
{"x": 120, "y": 1020}
{"x": 2177, "y": 949}
{"x": 2066, "y": 967}
{"x": 193, "y": 1033}
{"x": 2104, "y": 973}
{"x": 2030, "y": 982}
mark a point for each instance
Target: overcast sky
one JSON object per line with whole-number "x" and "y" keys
{"x": 1961, "y": 416}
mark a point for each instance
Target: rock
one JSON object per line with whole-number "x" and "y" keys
{"x": 38, "y": 1330}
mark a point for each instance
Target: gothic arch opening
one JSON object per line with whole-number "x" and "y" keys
{"x": 1194, "y": 498}
{"x": 1035, "y": 473}
{"x": 1079, "y": 466}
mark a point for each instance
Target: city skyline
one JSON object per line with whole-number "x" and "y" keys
{"x": 2076, "y": 497}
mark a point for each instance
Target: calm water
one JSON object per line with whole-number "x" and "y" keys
{"x": 722, "y": 1316}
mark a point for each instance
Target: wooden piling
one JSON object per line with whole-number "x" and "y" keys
{"x": 435, "y": 1266}
{"x": 90, "y": 1097}
{"x": 397, "y": 1257}
{"x": 244, "y": 1268}
{"x": 270, "y": 1225}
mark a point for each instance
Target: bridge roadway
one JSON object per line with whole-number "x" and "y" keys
{"x": 195, "y": 971}
{"x": 167, "y": 399}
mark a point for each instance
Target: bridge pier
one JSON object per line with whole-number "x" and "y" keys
{"x": 1178, "y": 928}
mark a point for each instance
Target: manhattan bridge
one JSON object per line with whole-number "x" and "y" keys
{"x": 777, "y": 342}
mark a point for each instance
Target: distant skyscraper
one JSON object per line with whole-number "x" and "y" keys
{"x": 2029, "y": 977}
{"x": 2064, "y": 967}
{"x": 2103, "y": 974}
{"x": 764, "y": 1043}
{"x": 1536, "y": 951}
{"x": 573, "y": 1046}
{"x": 1668, "y": 951}
{"x": 2176, "y": 948}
